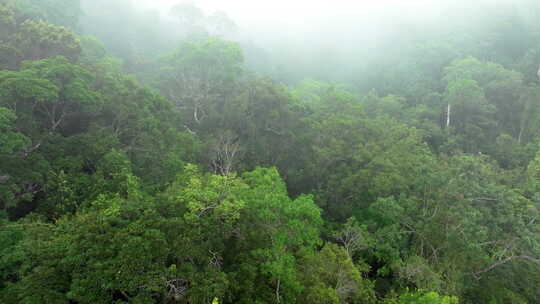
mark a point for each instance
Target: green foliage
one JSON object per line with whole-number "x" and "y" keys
{"x": 33, "y": 39}
{"x": 474, "y": 213}
{"x": 92, "y": 50}
{"x": 276, "y": 231}
{"x": 12, "y": 141}
{"x": 38, "y": 40}
{"x": 471, "y": 117}
{"x": 331, "y": 277}
{"x": 420, "y": 297}
{"x": 58, "y": 12}
{"x": 196, "y": 75}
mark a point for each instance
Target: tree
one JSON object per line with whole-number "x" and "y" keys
{"x": 458, "y": 233}
{"x": 198, "y": 76}
{"x": 30, "y": 39}
{"x": 210, "y": 208}
{"x": 63, "y": 13}
{"x": 13, "y": 143}
{"x": 422, "y": 297}
{"x": 52, "y": 91}
{"x": 331, "y": 277}
{"x": 220, "y": 25}
{"x": 50, "y": 98}
{"x": 187, "y": 13}
{"x": 274, "y": 232}
{"x": 502, "y": 89}
{"x": 469, "y": 115}
{"x": 353, "y": 237}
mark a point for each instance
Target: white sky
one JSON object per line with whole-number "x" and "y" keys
{"x": 330, "y": 24}
{"x": 282, "y": 19}
{"x": 264, "y": 14}
{"x": 298, "y": 11}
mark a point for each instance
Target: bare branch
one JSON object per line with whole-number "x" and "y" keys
{"x": 224, "y": 153}
{"x": 504, "y": 261}
{"x": 4, "y": 179}
{"x": 30, "y": 149}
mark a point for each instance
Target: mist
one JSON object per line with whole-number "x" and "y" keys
{"x": 329, "y": 40}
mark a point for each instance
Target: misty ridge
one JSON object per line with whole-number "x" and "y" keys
{"x": 240, "y": 152}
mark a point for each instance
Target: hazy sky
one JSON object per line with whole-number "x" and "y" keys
{"x": 304, "y": 16}
{"x": 296, "y": 7}
{"x": 300, "y": 17}
{"x": 302, "y": 12}
{"x": 292, "y": 11}
{"x": 334, "y": 28}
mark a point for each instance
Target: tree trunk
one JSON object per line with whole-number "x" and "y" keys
{"x": 277, "y": 291}
{"x": 448, "y": 116}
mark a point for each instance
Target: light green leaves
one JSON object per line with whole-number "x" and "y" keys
{"x": 11, "y": 141}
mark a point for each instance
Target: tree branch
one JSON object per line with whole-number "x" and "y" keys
{"x": 504, "y": 261}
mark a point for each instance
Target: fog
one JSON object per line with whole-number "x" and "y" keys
{"x": 329, "y": 40}
{"x": 280, "y": 20}
{"x": 309, "y": 16}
